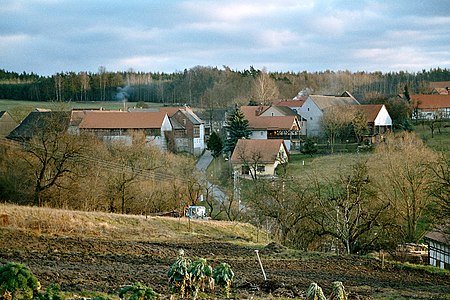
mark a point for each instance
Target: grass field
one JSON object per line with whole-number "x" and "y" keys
{"x": 19, "y": 109}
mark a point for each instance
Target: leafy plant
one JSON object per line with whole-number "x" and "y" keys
{"x": 338, "y": 291}
{"x": 179, "y": 277}
{"x": 223, "y": 276}
{"x": 53, "y": 292}
{"x": 314, "y": 292}
{"x": 200, "y": 273}
{"x": 17, "y": 282}
{"x": 138, "y": 291}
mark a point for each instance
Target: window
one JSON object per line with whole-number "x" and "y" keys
{"x": 245, "y": 170}
{"x": 308, "y": 108}
{"x": 261, "y": 169}
{"x": 196, "y": 131}
{"x": 310, "y": 118}
{"x": 262, "y": 133}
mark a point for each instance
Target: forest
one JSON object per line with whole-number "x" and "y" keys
{"x": 210, "y": 87}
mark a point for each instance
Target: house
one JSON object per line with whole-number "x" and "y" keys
{"x": 188, "y": 130}
{"x": 438, "y": 241}
{"x": 313, "y": 108}
{"x": 7, "y": 123}
{"x": 272, "y": 126}
{"x": 430, "y": 106}
{"x": 127, "y": 126}
{"x": 379, "y": 121}
{"x": 440, "y": 87}
{"x": 259, "y": 157}
{"x": 38, "y": 122}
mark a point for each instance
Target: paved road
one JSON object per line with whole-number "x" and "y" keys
{"x": 202, "y": 164}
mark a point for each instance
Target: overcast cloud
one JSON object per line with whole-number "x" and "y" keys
{"x": 49, "y": 36}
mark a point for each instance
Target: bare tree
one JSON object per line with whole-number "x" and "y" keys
{"x": 265, "y": 89}
{"x": 404, "y": 178}
{"x": 335, "y": 120}
{"x": 348, "y": 208}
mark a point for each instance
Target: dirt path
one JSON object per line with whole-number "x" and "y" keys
{"x": 88, "y": 264}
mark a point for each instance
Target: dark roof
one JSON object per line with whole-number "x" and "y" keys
{"x": 440, "y": 234}
{"x": 37, "y": 121}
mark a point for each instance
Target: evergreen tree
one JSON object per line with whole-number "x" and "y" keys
{"x": 237, "y": 128}
{"x": 215, "y": 144}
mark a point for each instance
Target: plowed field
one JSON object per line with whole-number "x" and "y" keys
{"x": 91, "y": 264}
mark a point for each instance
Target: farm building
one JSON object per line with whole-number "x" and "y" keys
{"x": 439, "y": 248}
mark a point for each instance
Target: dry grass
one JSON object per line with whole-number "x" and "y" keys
{"x": 124, "y": 227}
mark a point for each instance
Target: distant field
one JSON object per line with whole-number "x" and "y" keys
{"x": 19, "y": 109}
{"x": 440, "y": 141}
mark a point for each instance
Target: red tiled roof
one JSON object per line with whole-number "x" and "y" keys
{"x": 122, "y": 119}
{"x": 266, "y": 122}
{"x": 170, "y": 110}
{"x": 267, "y": 150}
{"x": 371, "y": 110}
{"x": 430, "y": 101}
{"x": 252, "y": 111}
{"x": 272, "y": 123}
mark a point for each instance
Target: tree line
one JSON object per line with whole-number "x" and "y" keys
{"x": 208, "y": 86}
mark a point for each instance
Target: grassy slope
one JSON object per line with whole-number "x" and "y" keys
{"x": 122, "y": 227}
{"x": 20, "y": 109}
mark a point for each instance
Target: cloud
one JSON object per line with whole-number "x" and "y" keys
{"x": 76, "y": 35}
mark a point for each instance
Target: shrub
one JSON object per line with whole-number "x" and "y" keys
{"x": 200, "y": 273}
{"x": 315, "y": 292}
{"x": 17, "y": 282}
{"x": 338, "y": 291}
{"x": 223, "y": 276}
{"x": 138, "y": 291}
{"x": 179, "y": 278}
{"x": 53, "y": 292}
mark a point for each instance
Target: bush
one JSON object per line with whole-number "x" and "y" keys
{"x": 179, "y": 278}
{"x": 315, "y": 292}
{"x": 53, "y": 292}
{"x": 17, "y": 282}
{"x": 138, "y": 291}
{"x": 223, "y": 276}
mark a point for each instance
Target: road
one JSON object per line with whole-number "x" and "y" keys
{"x": 202, "y": 164}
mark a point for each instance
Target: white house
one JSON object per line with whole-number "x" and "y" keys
{"x": 439, "y": 247}
{"x": 273, "y": 125}
{"x": 314, "y": 106}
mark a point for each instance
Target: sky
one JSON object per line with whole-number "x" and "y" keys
{"x": 50, "y": 36}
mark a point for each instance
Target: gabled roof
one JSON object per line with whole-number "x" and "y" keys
{"x": 371, "y": 110}
{"x": 291, "y": 103}
{"x": 170, "y": 110}
{"x": 430, "y": 101}
{"x": 324, "y": 102}
{"x": 253, "y": 111}
{"x": 40, "y": 120}
{"x": 272, "y": 123}
{"x": 267, "y": 150}
{"x": 440, "y": 234}
{"x": 122, "y": 119}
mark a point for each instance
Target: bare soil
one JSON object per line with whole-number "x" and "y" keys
{"x": 93, "y": 264}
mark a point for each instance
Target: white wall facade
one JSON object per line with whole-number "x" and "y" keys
{"x": 312, "y": 114}
{"x": 383, "y": 118}
{"x": 258, "y": 135}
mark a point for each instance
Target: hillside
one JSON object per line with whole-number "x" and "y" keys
{"x": 87, "y": 252}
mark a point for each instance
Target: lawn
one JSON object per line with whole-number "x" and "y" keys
{"x": 439, "y": 141}
{"x": 19, "y": 109}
